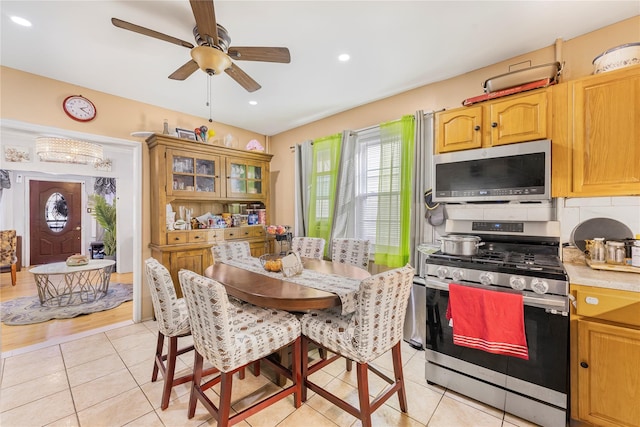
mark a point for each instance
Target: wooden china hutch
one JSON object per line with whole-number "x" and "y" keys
{"x": 204, "y": 178}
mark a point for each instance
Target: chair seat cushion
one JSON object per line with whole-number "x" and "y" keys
{"x": 259, "y": 332}
{"x": 333, "y": 331}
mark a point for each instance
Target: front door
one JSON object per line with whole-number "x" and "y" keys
{"x": 55, "y": 222}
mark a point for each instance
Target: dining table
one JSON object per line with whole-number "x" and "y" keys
{"x": 274, "y": 290}
{"x": 246, "y": 280}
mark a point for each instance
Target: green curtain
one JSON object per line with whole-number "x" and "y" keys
{"x": 393, "y": 226}
{"x": 326, "y": 160}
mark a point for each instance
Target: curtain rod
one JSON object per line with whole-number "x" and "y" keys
{"x": 356, "y": 131}
{"x": 291, "y": 147}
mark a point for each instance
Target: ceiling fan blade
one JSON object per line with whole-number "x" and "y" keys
{"x": 147, "y": 32}
{"x": 266, "y": 54}
{"x": 242, "y": 78}
{"x": 185, "y": 71}
{"x": 205, "y": 19}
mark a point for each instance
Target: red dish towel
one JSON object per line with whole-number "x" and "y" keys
{"x": 488, "y": 320}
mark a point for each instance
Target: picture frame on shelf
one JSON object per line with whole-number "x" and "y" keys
{"x": 186, "y": 134}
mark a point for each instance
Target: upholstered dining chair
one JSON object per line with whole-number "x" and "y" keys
{"x": 173, "y": 322}
{"x": 231, "y": 335}
{"x": 372, "y": 330}
{"x": 230, "y": 250}
{"x": 350, "y": 251}
{"x": 308, "y": 247}
{"x": 8, "y": 252}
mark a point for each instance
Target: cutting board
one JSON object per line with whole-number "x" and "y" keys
{"x": 608, "y": 228}
{"x": 612, "y": 267}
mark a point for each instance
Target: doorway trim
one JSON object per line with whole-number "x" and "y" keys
{"x": 134, "y": 149}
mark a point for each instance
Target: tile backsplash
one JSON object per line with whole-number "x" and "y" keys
{"x": 572, "y": 212}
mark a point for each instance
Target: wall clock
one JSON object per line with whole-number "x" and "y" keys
{"x": 79, "y": 108}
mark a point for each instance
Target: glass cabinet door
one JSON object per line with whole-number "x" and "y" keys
{"x": 189, "y": 174}
{"x": 245, "y": 179}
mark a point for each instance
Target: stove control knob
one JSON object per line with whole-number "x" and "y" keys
{"x": 442, "y": 272}
{"x": 539, "y": 286}
{"x": 486, "y": 278}
{"x": 457, "y": 274}
{"x": 517, "y": 282}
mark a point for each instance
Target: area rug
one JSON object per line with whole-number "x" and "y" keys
{"x": 27, "y": 310}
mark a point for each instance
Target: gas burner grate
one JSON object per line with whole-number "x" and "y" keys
{"x": 504, "y": 260}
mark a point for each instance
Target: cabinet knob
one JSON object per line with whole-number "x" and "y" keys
{"x": 476, "y": 127}
{"x": 177, "y": 238}
{"x": 584, "y": 364}
{"x": 196, "y": 237}
{"x": 494, "y": 125}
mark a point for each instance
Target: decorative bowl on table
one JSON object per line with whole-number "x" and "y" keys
{"x": 271, "y": 262}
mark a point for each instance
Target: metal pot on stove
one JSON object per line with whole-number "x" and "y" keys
{"x": 460, "y": 245}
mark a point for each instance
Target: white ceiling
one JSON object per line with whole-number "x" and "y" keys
{"x": 394, "y": 46}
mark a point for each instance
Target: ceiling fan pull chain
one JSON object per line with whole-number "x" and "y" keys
{"x": 209, "y": 97}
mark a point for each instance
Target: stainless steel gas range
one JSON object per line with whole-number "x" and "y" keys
{"x": 516, "y": 257}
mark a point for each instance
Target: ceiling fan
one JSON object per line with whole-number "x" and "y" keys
{"x": 213, "y": 54}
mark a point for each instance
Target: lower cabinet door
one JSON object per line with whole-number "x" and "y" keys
{"x": 196, "y": 260}
{"x": 609, "y": 374}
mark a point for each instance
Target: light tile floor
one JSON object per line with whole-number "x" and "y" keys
{"x": 104, "y": 379}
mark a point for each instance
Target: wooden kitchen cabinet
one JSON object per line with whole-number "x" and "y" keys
{"x": 195, "y": 258}
{"x": 190, "y": 174}
{"x": 245, "y": 178}
{"x": 516, "y": 118}
{"x": 605, "y": 356}
{"x": 596, "y": 147}
{"x": 204, "y": 178}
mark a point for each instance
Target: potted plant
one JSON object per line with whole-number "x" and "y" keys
{"x": 105, "y": 215}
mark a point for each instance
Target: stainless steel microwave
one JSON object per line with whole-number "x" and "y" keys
{"x": 520, "y": 172}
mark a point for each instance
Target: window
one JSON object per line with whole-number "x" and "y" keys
{"x": 384, "y": 163}
{"x": 362, "y": 188}
{"x": 378, "y": 189}
{"x": 326, "y": 155}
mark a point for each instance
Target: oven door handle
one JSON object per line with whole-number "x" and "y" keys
{"x": 559, "y": 304}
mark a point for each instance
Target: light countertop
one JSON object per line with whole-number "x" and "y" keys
{"x": 581, "y": 274}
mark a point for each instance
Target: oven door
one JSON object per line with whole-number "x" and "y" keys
{"x": 543, "y": 376}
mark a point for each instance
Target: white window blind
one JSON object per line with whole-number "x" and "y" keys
{"x": 375, "y": 210}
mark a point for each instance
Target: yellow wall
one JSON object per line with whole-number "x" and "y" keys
{"x": 35, "y": 99}
{"x": 577, "y": 54}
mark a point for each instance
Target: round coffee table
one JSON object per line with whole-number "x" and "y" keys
{"x": 60, "y": 284}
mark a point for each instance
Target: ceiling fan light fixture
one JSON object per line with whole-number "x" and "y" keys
{"x": 210, "y": 60}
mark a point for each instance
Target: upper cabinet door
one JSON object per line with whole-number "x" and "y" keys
{"x": 606, "y": 133}
{"x": 518, "y": 119}
{"x": 459, "y": 129}
{"x": 246, "y": 179}
{"x": 508, "y": 120}
{"x": 192, "y": 175}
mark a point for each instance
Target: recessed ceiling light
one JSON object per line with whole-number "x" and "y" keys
{"x": 344, "y": 57}
{"x": 253, "y": 102}
{"x": 21, "y": 21}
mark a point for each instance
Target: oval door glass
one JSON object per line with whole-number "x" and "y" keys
{"x": 56, "y": 212}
